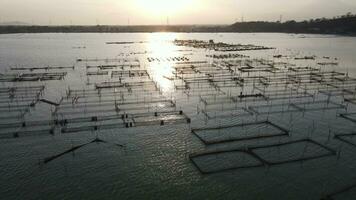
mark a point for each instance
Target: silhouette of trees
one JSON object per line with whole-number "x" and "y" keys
{"x": 344, "y": 24}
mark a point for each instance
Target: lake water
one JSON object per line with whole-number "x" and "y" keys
{"x": 164, "y": 161}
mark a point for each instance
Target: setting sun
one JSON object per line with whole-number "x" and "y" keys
{"x": 163, "y": 7}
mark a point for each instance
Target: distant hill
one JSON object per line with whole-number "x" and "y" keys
{"x": 341, "y": 25}
{"x": 14, "y": 23}
{"x": 344, "y": 25}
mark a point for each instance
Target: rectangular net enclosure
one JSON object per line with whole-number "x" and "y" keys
{"x": 349, "y": 138}
{"x": 29, "y": 128}
{"x": 168, "y": 59}
{"x": 40, "y": 68}
{"x": 33, "y": 77}
{"x": 221, "y": 161}
{"x": 130, "y": 73}
{"x": 97, "y": 73}
{"x": 157, "y": 118}
{"x": 216, "y": 100}
{"x": 121, "y": 66}
{"x": 338, "y": 91}
{"x": 117, "y": 121}
{"x": 350, "y": 100}
{"x": 342, "y": 193}
{"x": 304, "y": 106}
{"x": 294, "y": 151}
{"x": 197, "y": 92}
{"x": 239, "y": 132}
{"x": 278, "y": 95}
{"x": 274, "y": 108}
{"x": 318, "y": 105}
{"x": 349, "y": 116}
{"x": 258, "y": 156}
{"x": 226, "y": 111}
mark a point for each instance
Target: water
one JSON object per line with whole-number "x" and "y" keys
{"x": 155, "y": 162}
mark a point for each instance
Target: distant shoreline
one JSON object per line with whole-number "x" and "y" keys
{"x": 151, "y": 29}
{"x": 345, "y": 25}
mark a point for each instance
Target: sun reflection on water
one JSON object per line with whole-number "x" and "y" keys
{"x": 160, "y": 45}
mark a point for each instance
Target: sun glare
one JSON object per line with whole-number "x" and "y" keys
{"x": 161, "y": 47}
{"x": 163, "y": 7}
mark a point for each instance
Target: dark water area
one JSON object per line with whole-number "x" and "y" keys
{"x": 139, "y": 116}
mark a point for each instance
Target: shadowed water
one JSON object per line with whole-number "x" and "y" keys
{"x": 154, "y": 162}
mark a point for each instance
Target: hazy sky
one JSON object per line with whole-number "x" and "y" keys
{"x": 156, "y": 11}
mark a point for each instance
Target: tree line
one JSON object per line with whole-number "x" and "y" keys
{"x": 344, "y": 24}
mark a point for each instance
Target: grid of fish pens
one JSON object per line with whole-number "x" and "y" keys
{"x": 17, "y": 103}
{"x": 234, "y": 86}
{"x": 22, "y": 93}
{"x": 119, "y": 96}
{"x": 118, "y": 93}
{"x": 248, "y": 108}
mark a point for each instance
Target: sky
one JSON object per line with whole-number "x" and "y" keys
{"x": 147, "y": 12}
